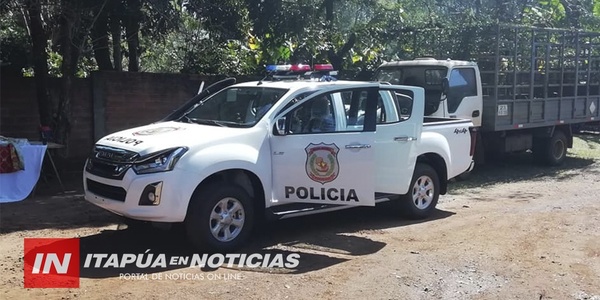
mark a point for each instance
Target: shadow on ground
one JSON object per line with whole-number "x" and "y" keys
{"x": 321, "y": 241}
{"x": 521, "y": 166}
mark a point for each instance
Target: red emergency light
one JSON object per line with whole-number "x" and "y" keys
{"x": 323, "y": 67}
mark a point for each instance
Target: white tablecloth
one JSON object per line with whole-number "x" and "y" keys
{"x": 17, "y": 186}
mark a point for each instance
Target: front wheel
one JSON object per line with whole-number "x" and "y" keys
{"x": 423, "y": 194}
{"x": 220, "y": 218}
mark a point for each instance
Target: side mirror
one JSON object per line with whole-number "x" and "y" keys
{"x": 445, "y": 88}
{"x": 279, "y": 127}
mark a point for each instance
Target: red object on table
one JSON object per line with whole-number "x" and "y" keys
{"x": 9, "y": 160}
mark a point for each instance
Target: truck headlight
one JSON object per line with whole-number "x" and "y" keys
{"x": 160, "y": 161}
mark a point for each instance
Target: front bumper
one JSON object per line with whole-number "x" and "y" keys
{"x": 122, "y": 197}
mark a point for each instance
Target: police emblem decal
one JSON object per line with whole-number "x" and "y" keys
{"x": 157, "y": 130}
{"x": 321, "y": 162}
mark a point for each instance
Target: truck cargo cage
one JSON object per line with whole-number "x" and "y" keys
{"x": 530, "y": 76}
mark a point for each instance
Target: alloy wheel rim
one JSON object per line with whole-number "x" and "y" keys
{"x": 227, "y": 219}
{"x": 423, "y": 192}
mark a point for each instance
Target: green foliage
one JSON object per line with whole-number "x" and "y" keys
{"x": 241, "y": 36}
{"x": 15, "y": 48}
{"x": 192, "y": 48}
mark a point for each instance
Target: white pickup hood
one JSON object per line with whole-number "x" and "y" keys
{"x": 159, "y": 136}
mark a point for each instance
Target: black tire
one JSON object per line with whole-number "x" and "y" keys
{"x": 423, "y": 194}
{"x": 552, "y": 151}
{"x": 200, "y": 218}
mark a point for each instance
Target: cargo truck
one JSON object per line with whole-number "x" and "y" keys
{"x": 524, "y": 88}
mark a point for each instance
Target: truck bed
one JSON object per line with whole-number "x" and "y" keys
{"x": 507, "y": 114}
{"x": 537, "y": 77}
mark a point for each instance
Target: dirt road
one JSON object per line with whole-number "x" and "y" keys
{"x": 512, "y": 231}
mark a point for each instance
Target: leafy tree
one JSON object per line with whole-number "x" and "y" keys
{"x": 69, "y": 38}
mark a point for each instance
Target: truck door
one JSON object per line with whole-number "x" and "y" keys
{"x": 322, "y": 155}
{"x": 464, "y": 95}
{"x": 397, "y": 136}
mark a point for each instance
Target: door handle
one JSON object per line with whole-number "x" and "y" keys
{"x": 358, "y": 146}
{"x": 404, "y": 138}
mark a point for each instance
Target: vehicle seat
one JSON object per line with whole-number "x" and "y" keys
{"x": 432, "y": 101}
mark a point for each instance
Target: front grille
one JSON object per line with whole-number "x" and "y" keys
{"x": 106, "y": 191}
{"x": 107, "y": 169}
{"x": 110, "y": 162}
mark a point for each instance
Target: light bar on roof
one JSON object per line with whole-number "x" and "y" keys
{"x": 288, "y": 68}
{"x": 279, "y": 68}
{"x": 300, "y": 68}
{"x": 323, "y": 67}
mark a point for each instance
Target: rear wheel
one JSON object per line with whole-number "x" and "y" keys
{"x": 220, "y": 218}
{"x": 423, "y": 194}
{"x": 552, "y": 151}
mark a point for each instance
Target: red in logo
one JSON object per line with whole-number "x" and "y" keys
{"x": 321, "y": 162}
{"x": 51, "y": 263}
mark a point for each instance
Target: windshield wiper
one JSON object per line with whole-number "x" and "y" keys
{"x": 207, "y": 121}
{"x": 184, "y": 118}
{"x": 187, "y": 119}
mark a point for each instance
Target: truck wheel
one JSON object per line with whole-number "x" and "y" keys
{"x": 220, "y": 218}
{"x": 423, "y": 194}
{"x": 552, "y": 151}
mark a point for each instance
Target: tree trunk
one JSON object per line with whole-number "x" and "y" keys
{"x": 99, "y": 35}
{"x": 68, "y": 66}
{"x": 132, "y": 31}
{"x": 337, "y": 58}
{"x": 40, "y": 61}
{"x": 328, "y": 14}
{"x": 115, "y": 31}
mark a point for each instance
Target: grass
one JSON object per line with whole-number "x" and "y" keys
{"x": 586, "y": 145}
{"x": 583, "y": 157}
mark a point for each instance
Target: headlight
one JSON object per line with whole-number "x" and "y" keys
{"x": 160, "y": 161}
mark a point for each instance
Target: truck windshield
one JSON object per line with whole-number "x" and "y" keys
{"x": 234, "y": 107}
{"x": 428, "y": 77}
{"x": 423, "y": 76}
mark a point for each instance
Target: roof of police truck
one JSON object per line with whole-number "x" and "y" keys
{"x": 301, "y": 76}
{"x": 428, "y": 61}
{"x": 303, "y": 83}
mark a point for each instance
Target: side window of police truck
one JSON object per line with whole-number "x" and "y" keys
{"x": 337, "y": 111}
{"x": 403, "y": 101}
{"x": 388, "y": 110}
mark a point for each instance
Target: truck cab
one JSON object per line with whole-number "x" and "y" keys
{"x": 462, "y": 98}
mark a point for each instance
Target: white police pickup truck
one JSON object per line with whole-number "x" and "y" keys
{"x": 278, "y": 148}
